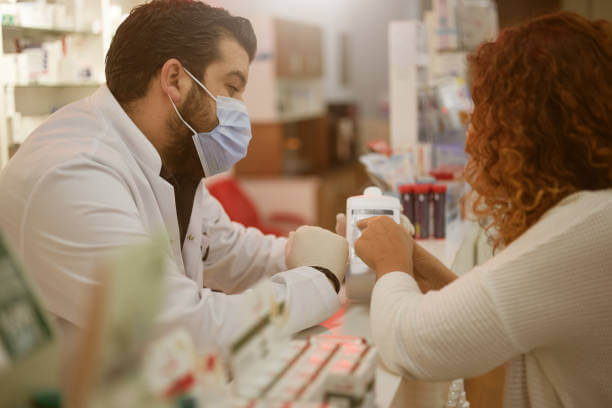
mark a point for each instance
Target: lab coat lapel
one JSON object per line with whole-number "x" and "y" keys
{"x": 164, "y": 194}
{"x": 194, "y": 248}
{"x": 149, "y": 161}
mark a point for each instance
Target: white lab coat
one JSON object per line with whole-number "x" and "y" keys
{"x": 87, "y": 182}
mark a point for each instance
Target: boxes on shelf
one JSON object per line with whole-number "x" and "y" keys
{"x": 37, "y": 14}
{"x": 49, "y": 63}
{"x": 447, "y": 30}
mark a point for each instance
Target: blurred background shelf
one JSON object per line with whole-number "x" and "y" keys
{"x": 56, "y": 84}
{"x": 52, "y": 54}
{"x": 37, "y": 32}
{"x": 324, "y": 83}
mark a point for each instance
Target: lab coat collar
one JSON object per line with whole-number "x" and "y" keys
{"x": 138, "y": 143}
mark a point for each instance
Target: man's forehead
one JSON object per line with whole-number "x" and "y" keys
{"x": 234, "y": 60}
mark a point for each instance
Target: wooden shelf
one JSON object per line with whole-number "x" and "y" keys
{"x": 58, "y": 85}
{"x": 24, "y": 31}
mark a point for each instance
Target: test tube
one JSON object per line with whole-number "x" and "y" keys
{"x": 407, "y": 197}
{"x": 421, "y": 210}
{"x": 439, "y": 210}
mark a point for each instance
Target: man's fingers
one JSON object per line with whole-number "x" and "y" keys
{"x": 289, "y": 244}
{"x": 341, "y": 224}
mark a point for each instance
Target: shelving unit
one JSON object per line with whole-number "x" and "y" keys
{"x": 37, "y": 32}
{"x": 292, "y": 165}
{"x": 286, "y": 101}
{"x": 81, "y": 42}
{"x": 57, "y": 84}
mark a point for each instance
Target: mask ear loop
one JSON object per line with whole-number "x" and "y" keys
{"x": 181, "y": 116}
{"x": 199, "y": 83}
{"x": 195, "y": 139}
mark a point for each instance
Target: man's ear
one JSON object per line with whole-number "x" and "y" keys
{"x": 174, "y": 81}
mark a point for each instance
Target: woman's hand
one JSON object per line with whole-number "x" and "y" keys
{"x": 429, "y": 272}
{"x": 385, "y": 246}
{"x": 341, "y": 224}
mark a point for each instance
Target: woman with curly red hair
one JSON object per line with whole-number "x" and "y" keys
{"x": 540, "y": 145}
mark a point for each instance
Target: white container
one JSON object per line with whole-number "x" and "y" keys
{"x": 37, "y": 63}
{"x": 8, "y": 69}
{"x": 23, "y": 68}
{"x": 360, "y": 278}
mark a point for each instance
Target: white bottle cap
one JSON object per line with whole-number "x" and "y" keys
{"x": 372, "y": 192}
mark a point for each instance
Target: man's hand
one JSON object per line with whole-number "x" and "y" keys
{"x": 341, "y": 224}
{"x": 429, "y": 272}
{"x": 319, "y": 248}
{"x": 385, "y": 246}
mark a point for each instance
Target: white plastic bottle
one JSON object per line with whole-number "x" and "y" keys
{"x": 360, "y": 278}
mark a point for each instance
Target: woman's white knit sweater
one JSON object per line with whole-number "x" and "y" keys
{"x": 544, "y": 303}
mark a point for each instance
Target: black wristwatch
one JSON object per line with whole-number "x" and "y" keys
{"x": 333, "y": 278}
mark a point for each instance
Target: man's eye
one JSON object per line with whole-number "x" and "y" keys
{"x": 233, "y": 90}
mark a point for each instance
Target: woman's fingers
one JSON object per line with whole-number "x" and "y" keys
{"x": 384, "y": 245}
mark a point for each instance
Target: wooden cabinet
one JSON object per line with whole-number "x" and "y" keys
{"x": 265, "y": 154}
{"x": 316, "y": 199}
{"x": 299, "y": 147}
{"x": 517, "y": 11}
{"x": 487, "y": 390}
{"x": 286, "y": 76}
{"x": 286, "y": 101}
{"x": 336, "y": 186}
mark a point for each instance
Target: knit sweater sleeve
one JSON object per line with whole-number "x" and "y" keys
{"x": 545, "y": 287}
{"x": 441, "y": 335}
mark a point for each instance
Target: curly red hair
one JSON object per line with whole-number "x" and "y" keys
{"x": 542, "y": 122}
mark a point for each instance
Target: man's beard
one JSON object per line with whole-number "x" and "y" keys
{"x": 180, "y": 156}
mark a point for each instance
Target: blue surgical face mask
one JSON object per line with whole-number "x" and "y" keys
{"x": 226, "y": 144}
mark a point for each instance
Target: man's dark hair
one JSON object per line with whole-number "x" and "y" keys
{"x": 154, "y": 32}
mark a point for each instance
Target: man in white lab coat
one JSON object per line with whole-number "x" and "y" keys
{"x": 128, "y": 161}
